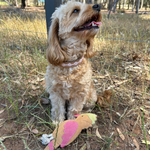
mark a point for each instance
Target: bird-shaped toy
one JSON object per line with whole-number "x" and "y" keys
{"x": 68, "y": 131}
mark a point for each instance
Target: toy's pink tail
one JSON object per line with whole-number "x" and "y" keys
{"x": 50, "y": 145}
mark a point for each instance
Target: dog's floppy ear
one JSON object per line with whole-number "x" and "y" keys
{"x": 89, "y": 52}
{"x": 55, "y": 55}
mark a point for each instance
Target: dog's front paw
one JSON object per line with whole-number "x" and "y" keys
{"x": 71, "y": 114}
{"x": 57, "y": 120}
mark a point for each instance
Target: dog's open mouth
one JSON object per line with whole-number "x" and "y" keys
{"x": 89, "y": 24}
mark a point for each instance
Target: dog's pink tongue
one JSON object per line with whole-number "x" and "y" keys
{"x": 97, "y": 23}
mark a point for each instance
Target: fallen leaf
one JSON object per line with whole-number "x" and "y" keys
{"x": 148, "y": 142}
{"x": 135, "y": 56}
{"x": 22, "y": 103}
{"x": 144, "y": 110}
{"x": 120, "y": 134}
{"x": 5, "y": 137}
{"x": 1, "y": 111}
{"x": 83, "y": 147}
{"x": 35, "y": 131}
{"x": 146, "y": 106}
{"x": 44, "y": 101}
{"x": 135, "y": 143}
{"x": 35, "y": 87}
{"x": 98, "y": 134}
{"x": 2, "y": 121}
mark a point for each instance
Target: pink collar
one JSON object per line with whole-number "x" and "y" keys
{"x": 70, "y": 64}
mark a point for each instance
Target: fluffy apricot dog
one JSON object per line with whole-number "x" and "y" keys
{"x": 68, "y": 76}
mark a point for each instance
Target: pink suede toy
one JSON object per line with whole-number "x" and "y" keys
{"x": 68, "y": 131}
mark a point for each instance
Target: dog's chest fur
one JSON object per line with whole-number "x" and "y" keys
{"x": 69, "y": 82}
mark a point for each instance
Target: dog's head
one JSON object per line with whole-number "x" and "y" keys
{"x": 72, "y": 20}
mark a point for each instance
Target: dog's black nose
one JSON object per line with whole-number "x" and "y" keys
{"x": 96, "y": 7}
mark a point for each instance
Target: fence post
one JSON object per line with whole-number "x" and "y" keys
{"x": 50, "y": 6}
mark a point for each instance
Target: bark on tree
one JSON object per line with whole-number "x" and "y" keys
{"x": 16, "y": 3}
{"x": 129, "y": 5}
{"x": 23, "y": 4}
{"x": 133, "y": 5}
{"x": 89, "y": 1}
{"x": 115, "y": 5}
{"x": 110, "y": 4}
{"x": 124, "y": 2}
{"x": 115, "y": 2}
{"x": 137, "y": 6}
{"x": 146, "y": 5}
{"x": 28, "y": 2}
{"x": 119, "y": 4}
{"x": 141, "y": 4}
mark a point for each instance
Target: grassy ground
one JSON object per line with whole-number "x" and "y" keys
{"x": 3, "y": 3}
{"x": 122, "y": 67}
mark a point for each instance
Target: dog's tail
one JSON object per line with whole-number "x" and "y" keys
{"x": 104, "y": 99}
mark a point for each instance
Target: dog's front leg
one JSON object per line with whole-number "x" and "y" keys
{"x": 75, "y": 106}
{"x": 58, "y": 108}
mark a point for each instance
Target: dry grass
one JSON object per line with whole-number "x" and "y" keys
{"x": 122, "y": 66}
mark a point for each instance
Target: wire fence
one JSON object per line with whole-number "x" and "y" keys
{"x": 106, "y": 38}
{"x": 28, "y": 28}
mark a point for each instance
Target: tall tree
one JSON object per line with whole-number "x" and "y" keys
{"x": 129, "y": 5}
{"x": 146, "y": 5}
{"x": 124, "y": 2}
{"x": 115, "y": 5}
{"x": 119, "y": 4}
{"x": 23, "y": 4}
{"x": 141, "y": 4}
{"x": 133, "y": 3}
{"x": 115, "y": 2}
{"x": 137, "y": 6}
{"x": 110, "y": 4}
{"x": 89, "y": 1}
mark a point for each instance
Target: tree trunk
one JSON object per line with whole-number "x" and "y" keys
{"x": 28, "y": 2}
{"x": 115, "y": 2}
{"x": 137, "y": 6}
{"x": 23, "y": 4}
{"x": 119, "y": 4}
{"x": 114, "y": 8}
{"x": 110, "y": 4}
{"x": 89, "y": 1}
{"x": 124, "y": 2}
{"x": 16, "y": 3}
{"x": 133, "y": 5}
{"x": 141, "y": 4}
{"x": 99, "y": 2}
{"x": 129, "y": 5}
{"x": 146, "y": 5}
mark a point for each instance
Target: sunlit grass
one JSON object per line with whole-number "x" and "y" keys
{"x": 23, "y": 65}
{"x": 3, "y": 3}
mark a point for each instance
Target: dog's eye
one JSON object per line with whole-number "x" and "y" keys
{"x": 76, "y": 10}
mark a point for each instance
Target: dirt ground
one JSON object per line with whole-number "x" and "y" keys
{"x": 119, "y": 126}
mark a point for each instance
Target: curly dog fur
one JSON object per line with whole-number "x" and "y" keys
{"x": 68, "y": 42}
